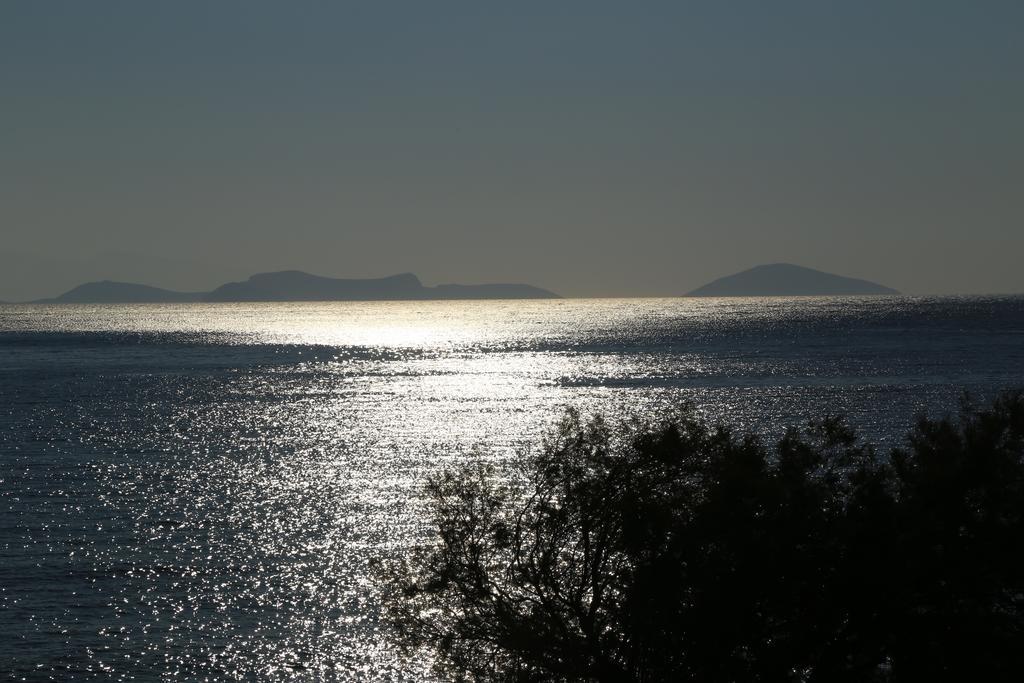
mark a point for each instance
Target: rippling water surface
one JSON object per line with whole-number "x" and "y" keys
{"x": 195, "y": 491}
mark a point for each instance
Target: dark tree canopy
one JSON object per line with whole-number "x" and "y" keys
{"x": 681, "y": 551}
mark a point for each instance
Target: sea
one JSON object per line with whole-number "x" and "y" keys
{"x": 197, "y": 492}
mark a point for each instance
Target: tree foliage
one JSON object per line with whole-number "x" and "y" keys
{"x": 683, "y": 551}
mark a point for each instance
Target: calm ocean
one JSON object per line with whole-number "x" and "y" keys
{"x": 194, "y": 491}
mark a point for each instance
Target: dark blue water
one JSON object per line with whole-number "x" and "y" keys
{"x": 195, "y": 491}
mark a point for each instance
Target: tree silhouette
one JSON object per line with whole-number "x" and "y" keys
{"x": 683, "y": 551}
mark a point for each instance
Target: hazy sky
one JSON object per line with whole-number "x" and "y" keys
{"x": 593, "y": 147}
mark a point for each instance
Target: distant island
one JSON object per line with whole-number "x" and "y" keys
{"x": 294, "y": 285}
{"x": 786, "y": 279}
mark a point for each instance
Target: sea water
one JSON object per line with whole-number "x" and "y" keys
{"x": 195, "y": 491}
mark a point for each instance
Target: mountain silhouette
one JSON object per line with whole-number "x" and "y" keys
{"x": 492, "y": 291}
{"x": 786, "y": 279}
{"x": 121, "y": 293}
{"x": 295, "y": 285}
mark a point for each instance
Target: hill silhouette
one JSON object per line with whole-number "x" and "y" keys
{"x": 295, "y": 285}
{"x": 786, "y": 279}
{"x": 122, "y": 293}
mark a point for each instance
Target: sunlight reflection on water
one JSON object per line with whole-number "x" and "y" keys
{"x": 196, "y": 491}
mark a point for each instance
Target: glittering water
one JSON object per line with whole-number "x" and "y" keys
{"x": 195, "y": 491}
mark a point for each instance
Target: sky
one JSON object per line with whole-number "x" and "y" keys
{"x": 593, "y": 148}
